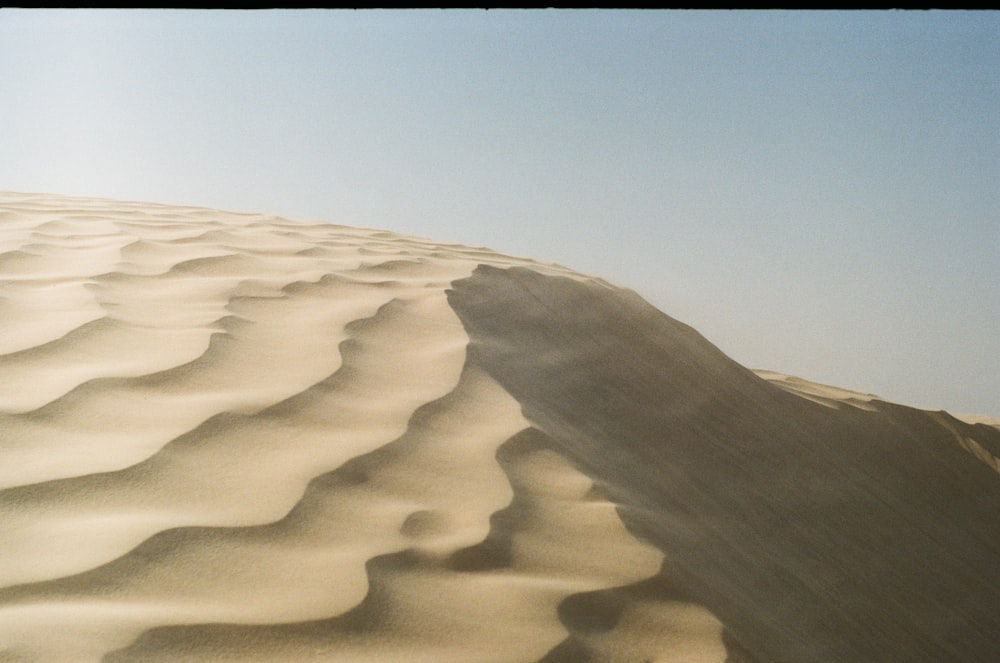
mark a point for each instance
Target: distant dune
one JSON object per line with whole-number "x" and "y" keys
{"x": 234, "y": 437}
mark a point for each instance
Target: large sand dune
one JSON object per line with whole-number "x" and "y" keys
{"x": 236, "y": 437}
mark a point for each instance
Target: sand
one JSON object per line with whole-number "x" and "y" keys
{"x": 238, "y": 437}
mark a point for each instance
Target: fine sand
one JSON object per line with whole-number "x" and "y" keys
{"x": 234, "y": 437}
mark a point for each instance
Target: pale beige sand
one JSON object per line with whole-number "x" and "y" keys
{"x": 236, "y": 437}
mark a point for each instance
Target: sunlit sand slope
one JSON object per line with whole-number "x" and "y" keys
{"x": 236, "y": 437}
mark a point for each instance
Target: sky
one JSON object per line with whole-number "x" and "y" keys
{"x": 817, "y": 193}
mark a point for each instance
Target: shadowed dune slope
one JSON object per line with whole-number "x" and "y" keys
{"x": 814, "y": 534}
{"x": 235, "y": 437}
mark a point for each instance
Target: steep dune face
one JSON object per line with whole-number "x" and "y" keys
{"x": 814, "y": 534}
{"x": 236, "y": 437}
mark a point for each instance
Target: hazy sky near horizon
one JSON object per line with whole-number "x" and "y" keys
{"x": 817, "y": 193}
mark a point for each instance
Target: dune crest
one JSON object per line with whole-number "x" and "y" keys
{"x": 237, "y": 437}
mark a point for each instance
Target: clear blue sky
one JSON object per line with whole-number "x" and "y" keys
{"x": 817, "y": 193}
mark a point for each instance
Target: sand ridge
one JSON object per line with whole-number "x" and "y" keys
{"x": 258, "y": 439}
{"x": 229, "y": 436}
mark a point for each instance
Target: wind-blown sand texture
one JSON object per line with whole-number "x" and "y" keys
{"x": 233, "y": 437}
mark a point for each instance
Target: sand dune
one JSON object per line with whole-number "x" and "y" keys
{"x": 237, "y": 437}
